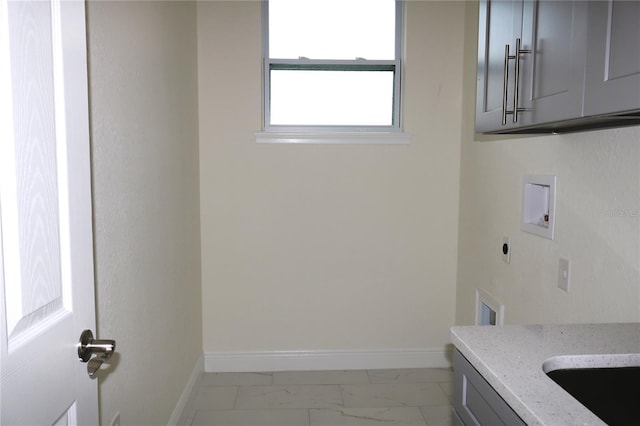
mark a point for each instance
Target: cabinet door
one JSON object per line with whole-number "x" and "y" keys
{"x": 475, "y": 402}
{"x": 613, "y": 60}
{"x": 552, "y": 74}
{"x": 500, "y": 23}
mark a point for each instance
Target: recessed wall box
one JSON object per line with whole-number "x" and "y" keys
{"x": 539, "y": 205}
{"x": 489, "y": 311}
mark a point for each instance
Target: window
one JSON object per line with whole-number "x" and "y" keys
{"x": 332, "y": 65}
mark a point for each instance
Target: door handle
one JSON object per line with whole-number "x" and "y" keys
{"x": 88, "y": 347}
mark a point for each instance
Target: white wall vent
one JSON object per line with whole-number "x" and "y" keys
{"x": 488, "y": 310}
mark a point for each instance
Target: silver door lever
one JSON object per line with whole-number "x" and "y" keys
{"x": 103, "y": 349}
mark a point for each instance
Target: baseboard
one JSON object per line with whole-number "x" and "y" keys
{"x": 326, "y": 360}
{"x": 190, "y": 387}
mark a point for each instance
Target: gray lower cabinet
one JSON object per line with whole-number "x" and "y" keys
{"x": 475, "y": 401}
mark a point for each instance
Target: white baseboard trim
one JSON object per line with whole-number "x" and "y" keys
{"x": 190, "y": 387}
{"x": 326, "y": 360}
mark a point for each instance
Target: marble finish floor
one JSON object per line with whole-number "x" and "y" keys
{"x": 329, "y": 398}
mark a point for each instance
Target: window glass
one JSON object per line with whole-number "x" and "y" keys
{"x": 332, "y": 29}
{"x": 331, "y": 98}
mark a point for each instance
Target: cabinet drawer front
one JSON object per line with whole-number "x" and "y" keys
{"x": 476, "y": 406}
{"x": 475, "y": 401}
{"x": 456, "y": 420}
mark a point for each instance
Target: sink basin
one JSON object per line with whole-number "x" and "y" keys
{"x": 605, "y": 384}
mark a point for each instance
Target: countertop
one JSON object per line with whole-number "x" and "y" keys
{"x": 511, "y": 359}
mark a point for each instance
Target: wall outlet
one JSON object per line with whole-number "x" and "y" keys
{"x": 505, "y": 249}
{"x": 116, "y": 420}
{"x": 564, "y": 273}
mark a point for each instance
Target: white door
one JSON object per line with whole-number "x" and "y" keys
{"x": 46, "y": 254}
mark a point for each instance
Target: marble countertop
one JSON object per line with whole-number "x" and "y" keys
{"x": 511, "y": 359}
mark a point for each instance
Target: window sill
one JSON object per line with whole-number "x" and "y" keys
{"x": 336, "y": 138}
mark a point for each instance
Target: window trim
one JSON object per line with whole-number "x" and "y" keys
{"x": 394, "y": 65}
{"x": 335, "y": 138}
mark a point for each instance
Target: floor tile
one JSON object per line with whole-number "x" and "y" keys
{"x": 320, "y": 377}
{"x": 399, "y": 396}
{"x": 447, "y": 388}
{"x": 269, "y": 417}
{"x": 411, "y": 375}
{"x": 438, "y": 415}
{"x": 187, "y": 417}
{"x": 288, "y": 396}
{"x": 366, "y": 416}
{"x": 239, "y": 379}
{"x": 210, "y": 398}
{"x": 393, "y": 395}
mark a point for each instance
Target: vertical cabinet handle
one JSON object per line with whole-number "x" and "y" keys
{"x": 505, "y": 82}
{"x": 516, "y": 90}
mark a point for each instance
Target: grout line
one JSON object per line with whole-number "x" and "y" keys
{"x": 235, "y": 400}
{"x": 341, "y": 395}
{"x": 368, "y": 376}
{"x": 423, "y": 417}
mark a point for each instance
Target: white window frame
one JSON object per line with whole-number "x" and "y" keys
{"x": 278, "y": 133}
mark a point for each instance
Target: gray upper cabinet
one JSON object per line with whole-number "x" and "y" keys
{"x": 500, "y": 25}
{"x": 531, "y": 58}
{"x": 613, "y": 67}
{"x": 553, "y": 79}
{"x": 546, "y": 66}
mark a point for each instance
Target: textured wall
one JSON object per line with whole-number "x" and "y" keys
{"x": 145, "y": 177}
{"x": 597, "y": 227}
{"x": 322, "y": 247}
